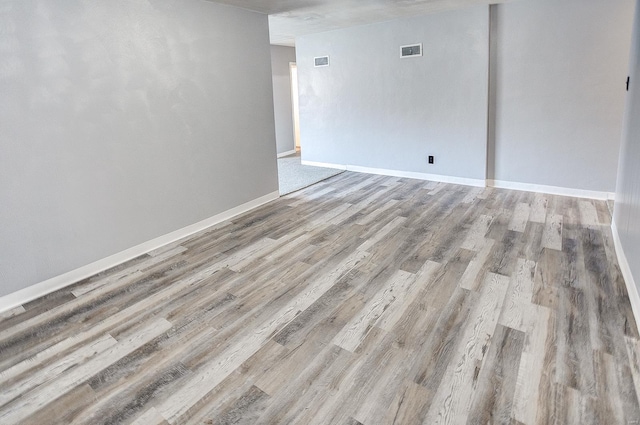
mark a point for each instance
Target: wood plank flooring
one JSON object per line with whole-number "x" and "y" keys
{"x": 360, "y": 300}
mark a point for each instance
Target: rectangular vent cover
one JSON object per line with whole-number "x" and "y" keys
{"x": 411, "y": 51}
{"x": 321, "y": 61}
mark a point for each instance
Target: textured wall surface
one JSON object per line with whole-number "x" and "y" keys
{"x": 371, "y": 108}
{"x": 561, "y": 67}
{"x": 124, "y": 120}
{"x": 627, "y": 207}
{"x": 280, "y": 58}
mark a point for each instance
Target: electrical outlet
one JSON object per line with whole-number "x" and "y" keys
{"x": 431, "y": 159}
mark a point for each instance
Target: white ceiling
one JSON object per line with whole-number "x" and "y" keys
{"x": 289, "y": 19}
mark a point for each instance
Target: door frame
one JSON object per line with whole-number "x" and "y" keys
{"x": 295, "y": 105}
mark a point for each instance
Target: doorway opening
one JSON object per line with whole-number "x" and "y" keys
{"x": 292, "y": 175}
{"x": 295, "y": 105}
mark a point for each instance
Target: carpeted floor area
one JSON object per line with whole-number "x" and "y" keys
{"x": 294, "y": 176}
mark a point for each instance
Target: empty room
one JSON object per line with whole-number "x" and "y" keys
{"x": 467, "y": 251}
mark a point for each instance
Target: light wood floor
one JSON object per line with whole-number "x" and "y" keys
{"x": 361, "y": 300}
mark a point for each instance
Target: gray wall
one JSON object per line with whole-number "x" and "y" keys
{"x": 124, "y": 120}
{"x": 370, "y": 108}
{"x": 627, "y": 207}
{"x": 561, "y": 67}
{"x": 280, "y": 58}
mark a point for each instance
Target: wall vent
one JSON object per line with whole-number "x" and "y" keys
{"x": 321, "y": 61}
{"x": 411, "y": 51}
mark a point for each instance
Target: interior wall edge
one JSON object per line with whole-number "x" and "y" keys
{"x": 625, "y": 268}
{"x": 281, "y": 59}
{"x": 48, "y": 286}
{"x": 492, "y": 93}
{"x": 551, "y": 127}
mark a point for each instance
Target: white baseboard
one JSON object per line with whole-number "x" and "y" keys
{"x": 632, "y": 288}
{"x": 552, "y": 190}
{"x": 280, "y": 155}
{"x": 324, "y": 164}
{"x": 41, "y": 289}
{"x": 404, "y": 174}
{"x": 501, "y": 184}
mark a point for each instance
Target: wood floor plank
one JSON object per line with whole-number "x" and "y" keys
{"x": 382, "y": 233}
{"x": 438, "y": 187}
{"x": 531, "y": 242}
{"x": 493, "y": 399}
{"x": 150, "y": 417}
{"x": 128, "y": 273}
{"x": 64, "y": 408}
{"x": 407, "y": 298}
{"x": 227, "y": 394}
{"x": 311, "y": 394}
{"x": 303, "y": 349}
{"x": 633, "y": 349}
{"x": 440, "y": 344}
{"x": 462, "y": 370}
{"x": 626, "y": 389}
{"x": 486, "y": 193}
{"x": 245, "y": 410}
{"x": 146, "y": 306}
{"x": 448, "y": 304}
{"x": 435, "y": 237}
{"x": 517, "y": 309}
{"x": 520, "y": 218}
{"x": 382, "y": 390}
{"x": 575, "y": 364}
{"x": 548, "y": 278}
{"x": 610, "y": 407}
{"x": 536, "y": 359}
{"x": 313, "y": 196}
{"x": 475, "y": 273}
{"x": 539, "y": 209}
{"x": 231, "y": 359}
{"x": 603, "y": 290}
{"x": 475, "y": 238}
{"x": 588, "y": 214}
{"x": 354, "y": 332}
{"x": 472, "y": 195}
{"x": 552, "y": 236}
{"x": 12, "y": 313}
{"x": 500, "y": 224}
{"x": 37, "y": 399}
{"x": 113, "y": 406}
{"x": 408, "y": 406}
{"x": 69, "y": 309}
{"x": 16, "y": 389}
{"x": 378, "y": 352}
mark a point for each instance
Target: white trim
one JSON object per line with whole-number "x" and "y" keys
{"x": 500, "y": 184}
{"x": 552, "y": 190}
{"x": 41, "y": 289}
{"x": 405, "y": 174}
{"x": 632, "y": 288}
{"x": 324, "y": 164}
{"x": 295, "y": 104}
{"x": 283, "y": 154}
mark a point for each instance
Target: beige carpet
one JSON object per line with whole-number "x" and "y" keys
{"x": 292, "y": 175}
